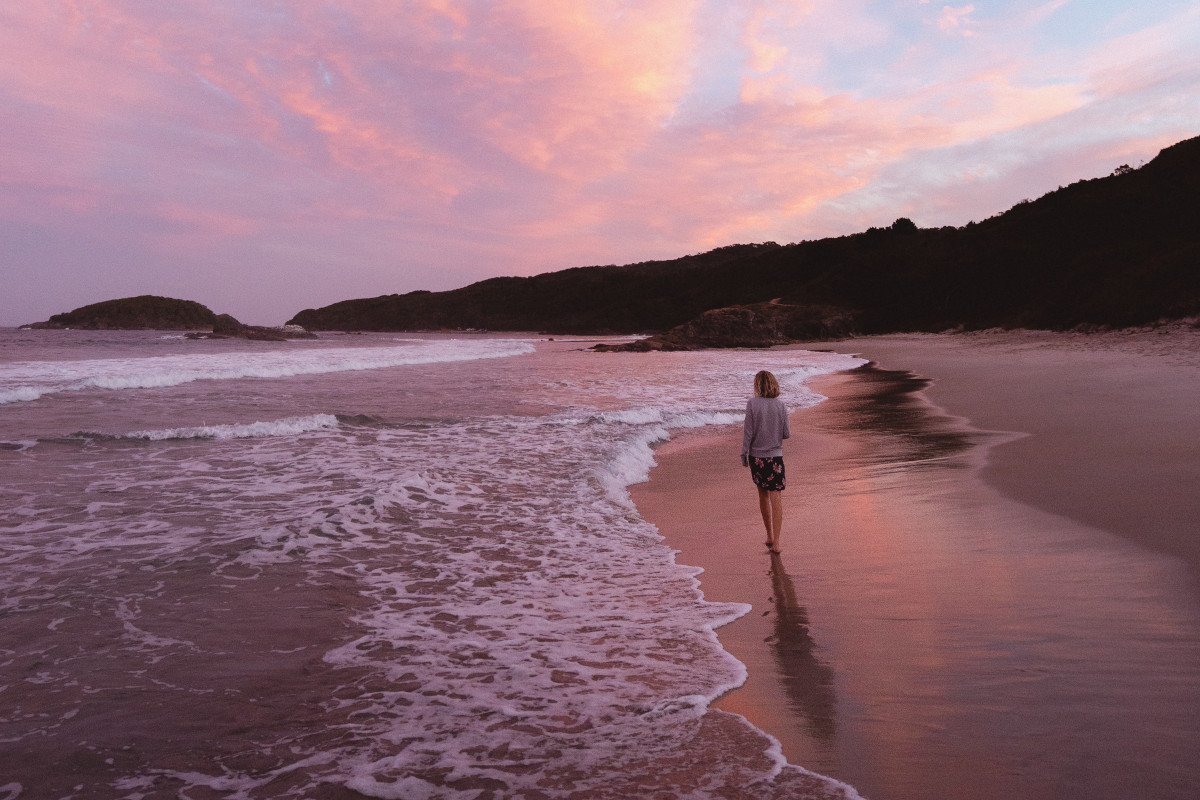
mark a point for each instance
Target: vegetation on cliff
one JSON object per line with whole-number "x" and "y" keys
{"x": 1113, "y": 251}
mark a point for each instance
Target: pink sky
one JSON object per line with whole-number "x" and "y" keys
{"x": 265, "y": 157}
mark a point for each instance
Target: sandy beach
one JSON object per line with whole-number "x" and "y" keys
{"x": 990, "y": 579}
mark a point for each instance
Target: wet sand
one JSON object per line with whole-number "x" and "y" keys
{"x": 959, "y": 612}
{"x": 1112, "y": 421}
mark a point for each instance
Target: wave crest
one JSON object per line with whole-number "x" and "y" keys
{"x": 288, "y": 426}
{"x": 28, "y": 381}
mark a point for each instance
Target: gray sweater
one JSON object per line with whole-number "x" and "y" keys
{"x": 766, "y": 427}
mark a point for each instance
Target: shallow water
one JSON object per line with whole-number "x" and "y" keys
{"x": 375, "y": 565}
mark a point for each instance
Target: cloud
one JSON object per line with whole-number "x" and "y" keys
{"x": 368, "y": 147}
{"x": 955, "y": 20}
{"x": 1043, "y": 12}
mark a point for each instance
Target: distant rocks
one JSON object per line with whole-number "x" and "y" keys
{"x": 226, "y": 327}
{"x": 150, "y": 312}
{"x": 145, "y": 312}
{"x": 755, "y": 325}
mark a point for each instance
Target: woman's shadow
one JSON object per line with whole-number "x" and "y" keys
{"x": 807, "y": 682}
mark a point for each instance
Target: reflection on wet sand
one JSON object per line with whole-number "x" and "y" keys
{"x": 922, "y": 636}
{"x": 807, "y": 681}
{"x": 885, "y": 412}
{"x": 889, "y": 435}
{"x": 981, "y": 649}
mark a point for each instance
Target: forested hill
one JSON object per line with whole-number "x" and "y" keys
{"x": 1119, "y": 250}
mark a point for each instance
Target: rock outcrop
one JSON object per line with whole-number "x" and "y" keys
{"x": 227, "y": 327}
{"x": 150, "y": 312}
{"x": 145, "y": 312}
{"x": 755, "y": 325}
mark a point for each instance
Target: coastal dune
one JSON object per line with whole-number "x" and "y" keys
{"x": 989, "y": 584}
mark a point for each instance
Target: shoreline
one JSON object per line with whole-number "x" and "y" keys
{"x": 1108, "y": 422}
{"x": 927, "y": 565}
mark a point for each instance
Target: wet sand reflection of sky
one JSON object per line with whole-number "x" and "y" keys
{"x": 969, "y": 647}
{"x": 886, "y": 407}
{"x": 807, "y": 680}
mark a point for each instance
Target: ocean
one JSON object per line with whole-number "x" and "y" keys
{"x": 379, "y": 565}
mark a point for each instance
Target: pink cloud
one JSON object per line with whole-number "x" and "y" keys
{"x": 955, "y": 20}
{"x": 386, "y": 146}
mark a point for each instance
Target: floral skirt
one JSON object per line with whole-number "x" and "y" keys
{"x": 768, "y": 473}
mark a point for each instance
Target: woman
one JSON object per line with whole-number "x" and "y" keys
{"x": 762, "y": 451}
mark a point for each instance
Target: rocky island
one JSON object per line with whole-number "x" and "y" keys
{"x": 145, "y": 312}
{"x": 150, "y": 312}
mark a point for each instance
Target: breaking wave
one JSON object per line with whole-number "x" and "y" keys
{"x": 288, "y": 426}
{"x": 30, "y": 380}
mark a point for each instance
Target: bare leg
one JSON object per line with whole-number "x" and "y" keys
{"x": 776, "y": 499}
{"x": 770, "y": 504}
{"x": 764, "y": 506}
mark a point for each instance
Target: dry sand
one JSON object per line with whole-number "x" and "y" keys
{"x": 991, "y": 597}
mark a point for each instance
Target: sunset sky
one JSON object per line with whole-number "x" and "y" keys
{"x": 265, "y": 157}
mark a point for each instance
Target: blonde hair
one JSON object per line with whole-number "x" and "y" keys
{"x": 765, "y": 385}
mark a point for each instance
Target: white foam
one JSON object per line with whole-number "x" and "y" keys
{"x": 30, "y": 380}
{"x": 633, "y": 416}
{"x": 19, "y": 394}
{"x": 288, "y": 426}
{"x": 149, "y": 644}
{"x": 632, "y": 464}
{"x": 409, "y": 788}
{"x": 513, "y": 595}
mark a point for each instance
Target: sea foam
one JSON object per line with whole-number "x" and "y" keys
{"x": 288, "y": 426}
{"x": 510, "y": 621}
{"x": 30, "y": 380}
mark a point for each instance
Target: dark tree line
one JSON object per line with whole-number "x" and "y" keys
{"x": 1119, "y": 250}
